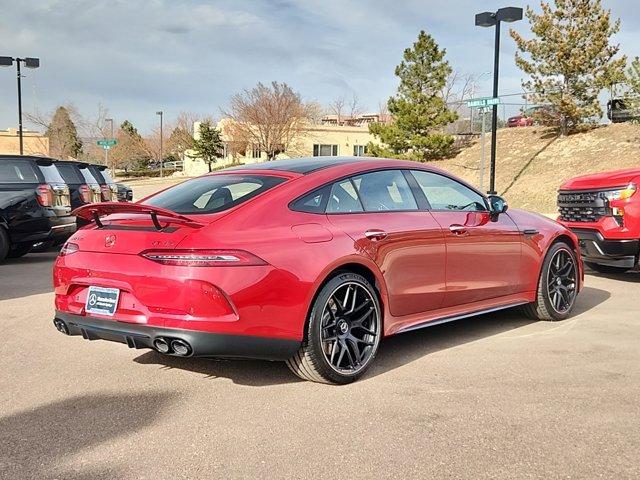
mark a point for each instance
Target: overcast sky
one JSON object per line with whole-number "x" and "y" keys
{"x": 136, "y": 57}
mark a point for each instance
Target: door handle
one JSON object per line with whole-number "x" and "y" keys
{"x": 459, "y": 230}
{"x": 375, "y": 234}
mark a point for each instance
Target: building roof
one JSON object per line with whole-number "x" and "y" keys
{"x": 300, "y": 165}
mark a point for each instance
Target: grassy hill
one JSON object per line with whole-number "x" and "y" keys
{"x": 532, "y": 162}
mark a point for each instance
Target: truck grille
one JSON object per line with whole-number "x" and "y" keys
{"x": 582, "y": 206}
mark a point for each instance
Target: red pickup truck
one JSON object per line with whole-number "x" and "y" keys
{"x": 603, "y": 210}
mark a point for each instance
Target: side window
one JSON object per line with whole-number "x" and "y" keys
{"x": 386, "y": 190}
{"x": 314, "y": 202}
{"x": 343, "y": 198}
{"x": 444, "y": 193}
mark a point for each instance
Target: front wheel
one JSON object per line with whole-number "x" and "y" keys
{"x": 557, "y": 286}
{"x": 343, "y": 332}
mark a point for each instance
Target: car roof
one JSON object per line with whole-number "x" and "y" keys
{"x": 299, "y": 165}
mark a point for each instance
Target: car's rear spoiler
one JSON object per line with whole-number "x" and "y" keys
{"x": 94, "y": 211}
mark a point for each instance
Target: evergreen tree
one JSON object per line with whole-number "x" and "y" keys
{"x": 208, "y": 144}
{"x": 130, "y": 151}
{"x": 570, "y": 60}
{"x": 419, "y": 111}
{"x": 63, "y": 136}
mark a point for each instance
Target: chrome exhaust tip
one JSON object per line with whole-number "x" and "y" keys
{"x": 161, "y": 345}
{"x": 61, "y": 326}
{"x": 180, "y": 348}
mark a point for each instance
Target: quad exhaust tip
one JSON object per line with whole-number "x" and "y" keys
{"x": 161, "y": 345}
{"x": 61, "y": 326}
{"x": 176, "y": 347}
{"x": 180, "y": 348}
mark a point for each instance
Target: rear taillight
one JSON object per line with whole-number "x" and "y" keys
{"x": 85, "y": 193}
{"x": 106, "y": 193}
{"x": 204, "y": 258}
{"x": 69, "y": 248}
{"x": 44, "y": 194}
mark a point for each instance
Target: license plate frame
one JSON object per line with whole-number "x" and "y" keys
{"x": 102, "y": 300}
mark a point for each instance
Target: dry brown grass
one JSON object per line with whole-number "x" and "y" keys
{"x": 532, "y": 162}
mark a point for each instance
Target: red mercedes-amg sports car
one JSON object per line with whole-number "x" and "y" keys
{"x": 310, "y": 261}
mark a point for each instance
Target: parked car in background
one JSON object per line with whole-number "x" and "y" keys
{"x": 603, "y": 210}
{"x": 35, "y": 205}
{"x": 80, "y": 191}
{"x": 619, "y": 111}
{"x": 537, "y": 115}
{"x": 108, "y": 188}
{"x": 125, "y": 193}
{"x": 311, "y": 261}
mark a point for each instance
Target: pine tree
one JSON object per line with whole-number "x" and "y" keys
{"x": 130, "y": 151}
{"x": 208, "y": 145}
{"x": 419, "y": 111}
{"x": 570, "y": 59}
{"x": 63, "y": 136}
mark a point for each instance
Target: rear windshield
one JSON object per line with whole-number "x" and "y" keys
{"x": 213, "y": 193}
{"x": 96, "y": 174}
{"x": 70, "y": 173}
{"x": 88, "y": 177}
{"x": 17, "y": 171}
{"x": 51, "y": 174}
{"x": 107, "y": 177}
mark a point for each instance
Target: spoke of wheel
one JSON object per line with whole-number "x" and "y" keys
{"x": 357, "y": 322}
{"x": 356, "y": 350}
{"x": 360, "y": 307}
{"x": 343, "y": 347}
{"x": 352, "y": 363}
{"x": 334, "y": 349}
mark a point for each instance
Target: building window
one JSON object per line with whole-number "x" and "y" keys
{"x": 322, "y": 150}
{"x": 255, "y": 152}
{"x": 359, "y": 150}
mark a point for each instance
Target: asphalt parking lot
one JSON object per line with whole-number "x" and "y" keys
{"x": 496, "y": 396}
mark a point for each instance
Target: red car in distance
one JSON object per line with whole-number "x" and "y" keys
{"x": 310, "y": 261}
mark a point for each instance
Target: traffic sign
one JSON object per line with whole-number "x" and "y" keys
{"x": 482, "y": 102}
{"x": 106, "y": 143}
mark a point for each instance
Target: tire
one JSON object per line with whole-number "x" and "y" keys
{"x": 345, "y": 322}
{"x": 605, "y": 268}
{"x": 4, "y": 244}
{"x": 550, "y": 300}
{"x": 20, "y": 250}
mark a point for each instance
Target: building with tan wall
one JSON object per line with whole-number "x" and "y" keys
{"x": 316, "y": 140}
{"x": 34, "y": 143}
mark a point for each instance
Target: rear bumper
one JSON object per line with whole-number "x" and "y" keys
{"x": 203, "y": 344}
{"x": 616, "y": 253}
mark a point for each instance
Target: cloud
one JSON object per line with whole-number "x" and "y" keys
{"x": 135, "y": 57}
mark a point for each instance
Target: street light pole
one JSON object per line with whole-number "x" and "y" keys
{"x": 161, "y": 136}
{"x": 29, "y": 62}
{"x": 493, "y": 19}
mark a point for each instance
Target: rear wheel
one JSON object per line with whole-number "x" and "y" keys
{"x": 4, "y": 244}
{"x": 343, "y": 332}
{"x": 605, "y": 268}
{"x": 558, "y": 285}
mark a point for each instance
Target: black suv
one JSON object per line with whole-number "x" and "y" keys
{"x": 35, "y": 205}
{"x": 107, "y": 185}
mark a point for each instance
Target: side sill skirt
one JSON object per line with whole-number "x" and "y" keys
{"x": 453, "y": 318}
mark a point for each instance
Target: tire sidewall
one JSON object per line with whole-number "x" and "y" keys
{"x": 4, "y": 244}
{"x": 315, "y": 322}
{"x": 544, "y": 284}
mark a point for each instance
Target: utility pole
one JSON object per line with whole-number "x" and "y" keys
{"x": 106, "y": 150}
{"x": 482, "y": 163}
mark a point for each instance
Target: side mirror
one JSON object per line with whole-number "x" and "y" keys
{"x": 497, "y": 205}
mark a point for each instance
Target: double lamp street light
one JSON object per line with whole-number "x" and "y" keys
{"x": 493, "y": 19}
{"x": 29, "y": 62}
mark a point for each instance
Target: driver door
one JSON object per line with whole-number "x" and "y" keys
{"x": 483, "y": 255}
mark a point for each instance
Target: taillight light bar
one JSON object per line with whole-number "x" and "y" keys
{"x": 106, "y": 193}
{"x": 204, "y": 258}
{"x": 85, "y": 193}
{"x": 68, "y": 248}
{"x": 44, "y": 194}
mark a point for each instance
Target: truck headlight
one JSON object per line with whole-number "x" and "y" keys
{"x": 622, "y": 193}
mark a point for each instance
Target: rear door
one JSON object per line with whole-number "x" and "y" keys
{"x": 483, "y": 254}
{"x": 378, "y": 210}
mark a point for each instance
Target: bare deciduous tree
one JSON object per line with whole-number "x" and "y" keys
{"x": 355, "y": 107}
{"x": 268, "y": 117}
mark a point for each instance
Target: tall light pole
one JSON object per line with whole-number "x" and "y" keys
{"x": 29, "y": 62}
{"x": 493, "y": 19}
{"x": 106, "y": 150}
{"x": 160, "y": 113}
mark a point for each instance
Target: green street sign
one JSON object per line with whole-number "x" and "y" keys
{"x": 106, "y": 143}
{"x": 482, "y": 102}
